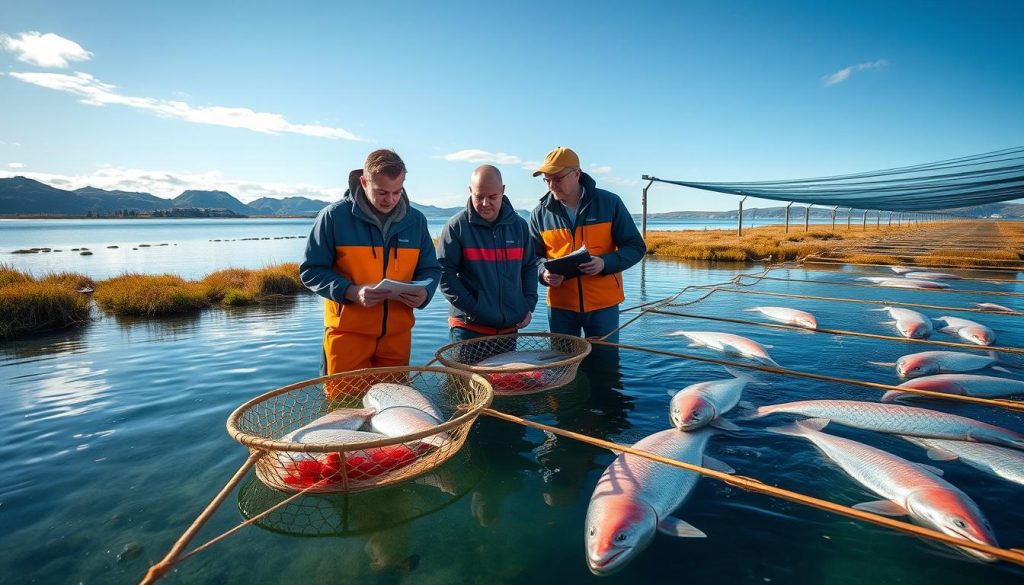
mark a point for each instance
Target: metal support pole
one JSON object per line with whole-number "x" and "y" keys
{"x": 807, "y": 215}
{"x": 865, "y": 220}
{"x": 849, "y": 215}
{"x": 787, "y": 216}
{"x": 834, "y": 217}
{"x": 878, "y": 220}
{"x": 890, "y": 219}
{"x": 739, "y": 218}
{"x": 643, "y": 202}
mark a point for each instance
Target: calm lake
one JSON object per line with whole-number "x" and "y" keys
{"x": 116, "y": 438}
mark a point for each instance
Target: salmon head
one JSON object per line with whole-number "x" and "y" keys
{"x": 691, "y": 411}
{"x": 951, "y": 512}
{"x": 979, "y": 335}
{"x": 618, "y": 527}
{"x": 912, "y": 366}
{"x": 913, "y": 329}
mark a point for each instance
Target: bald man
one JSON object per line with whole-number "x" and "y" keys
{"x": 488, "y": 263}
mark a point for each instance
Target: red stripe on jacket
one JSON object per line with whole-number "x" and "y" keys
{"x": 492, "y": 254}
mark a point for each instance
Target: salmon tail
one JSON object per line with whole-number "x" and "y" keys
{"x": 800, "y": 428}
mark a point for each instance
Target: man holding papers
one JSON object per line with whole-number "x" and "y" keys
{"x": 576, "y": 218}
{"x": 372, "y": 234}
{"x": 488, "y": 264}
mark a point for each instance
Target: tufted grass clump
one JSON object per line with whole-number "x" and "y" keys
{"x": 29, "y": 306}
{"x": 149, "y": 295}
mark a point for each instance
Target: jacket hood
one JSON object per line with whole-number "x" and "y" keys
{"x": 364, "y": 210}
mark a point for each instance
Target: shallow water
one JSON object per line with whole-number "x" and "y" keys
{"x": 116, "y": 436}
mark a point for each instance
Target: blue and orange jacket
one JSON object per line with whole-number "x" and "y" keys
{"x": 602, "y": 223}
{"x": 347, "y": 247}
{"x": 488, "y": 271}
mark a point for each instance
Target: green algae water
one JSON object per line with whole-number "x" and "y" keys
{"x": 115, "y": 441}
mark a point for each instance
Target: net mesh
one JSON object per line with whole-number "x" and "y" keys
{"x": 520, "y": 363}
{"x": 351, "y": 461}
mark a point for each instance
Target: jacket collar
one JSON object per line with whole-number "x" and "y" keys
{"x": 589, "y": 188}
{"x": 505, "y": 215}
{"x": 363, "y": 209}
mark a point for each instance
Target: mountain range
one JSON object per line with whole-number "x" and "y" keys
{"x": 21, "y": 196}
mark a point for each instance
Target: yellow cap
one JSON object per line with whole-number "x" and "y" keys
{"x": 557, "y": 160}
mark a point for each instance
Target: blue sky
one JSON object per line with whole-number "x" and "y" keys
{"x": 267, "y": 99}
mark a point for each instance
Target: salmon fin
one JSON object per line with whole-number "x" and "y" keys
{"x": 679, "y": 528}
{"x": 888, "y": 322}
{"x": 931, "y": 469}
{"x": 717, "y": 465}
{"x": 884, "y": 364}
{"x": 1001, "y": 369}
{"x": 749, "y": 376}
{"x": 893, "y": 396}
{"x": 672, "y": 392}
{"x": 746, "y": 411}
{"x": 801, "y": 427}
{"x": 745, "y": 404}
{"x": 882, "y": 309}
{"x": 940, "y": 454}
{"x": 725, "y": 425}
{"x": 882, "y": 508}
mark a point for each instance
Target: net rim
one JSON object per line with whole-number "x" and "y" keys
{"x": 572, "y": 360}
{"x": 264, "y": 444}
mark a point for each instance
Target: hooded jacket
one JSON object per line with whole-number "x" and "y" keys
{"x": 350, "y": 244}
{"x": 488, "y": 270}
{"x": 602, "y": 223}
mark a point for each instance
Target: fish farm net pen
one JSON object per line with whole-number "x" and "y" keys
{"x": 840, "y": 332}
{"x": 749, "y": 484}
{"x": 1017, "y": 405}
{"x": 857, "y": 284}
{"x": 840, "y": 261}
{"x": 819, "y": 267}
{"x": 863, "y": 301}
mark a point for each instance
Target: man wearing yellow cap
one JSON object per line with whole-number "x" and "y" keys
{"x": 574, "y": 213}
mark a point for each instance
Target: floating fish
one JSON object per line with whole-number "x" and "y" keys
{"x": 961, "y": 384}
{"x": 896, "y": 419}
{"x": 635, "y": 496}
{"x": 910, "y": 324}
{"x": 902, "y": 283}
{"x": 926, "y": 363}
{"x": 385, "y": 395}
{"x": 728, "y": 344}
{"x": 908, "y": 488}
{"x": 519, "y": 359}
{"x": 902, "y": 269}
{"x": 966, "y": 329}
{"x": 788, "y": 316}
{"x": 999, "y": 461}
{"x": 398, "y": 421}
{"x": 704, "y": 403}
{"x": 995, "y": 307}
{"x": 512, "y": 381}
{"x": 326, "y": 428}
{"x": 931, "y": 276}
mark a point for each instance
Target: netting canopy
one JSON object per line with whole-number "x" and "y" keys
{"x": 949, "y": 184}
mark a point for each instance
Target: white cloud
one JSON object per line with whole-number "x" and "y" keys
{"x": 170, "y": 184}
{"x": 474, "y": 155}
{"x": 15, "y": 144}
{"x": 96, "y": 93}
{"x": 845, "y": 73}
{"x": 44, "y": 50}
{"x": 599, "y": 169}
{"x": 531, "y": 165}
{"x": 15, "y": 165}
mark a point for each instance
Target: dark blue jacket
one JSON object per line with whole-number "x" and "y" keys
{"x": 488, "y": 271}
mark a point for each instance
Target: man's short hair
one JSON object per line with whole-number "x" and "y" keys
{"x": 384, "y": 162}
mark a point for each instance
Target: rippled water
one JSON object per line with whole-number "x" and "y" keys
{"x": 115, "y": 435}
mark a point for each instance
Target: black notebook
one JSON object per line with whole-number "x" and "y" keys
{"x": 568, "y": 266}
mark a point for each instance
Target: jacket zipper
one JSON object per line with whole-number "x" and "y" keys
{"x": 497, "y": 274}
{"x": 383, "y": 275}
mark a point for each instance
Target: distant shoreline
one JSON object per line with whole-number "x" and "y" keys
{"x": 147, "y": 217}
